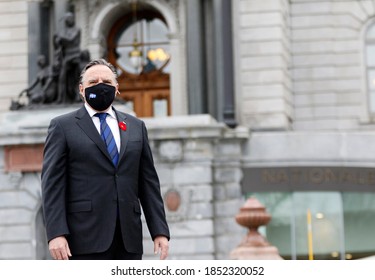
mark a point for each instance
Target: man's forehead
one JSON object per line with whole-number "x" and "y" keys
{"x": 99, "y": 71}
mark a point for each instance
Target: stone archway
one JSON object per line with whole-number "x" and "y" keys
{"x": 98, "y": 18}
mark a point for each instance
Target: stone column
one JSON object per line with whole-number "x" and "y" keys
{"x": 227, "y": 176}
{"x": 195, "y": 58}
{"x": 223, "y": 52}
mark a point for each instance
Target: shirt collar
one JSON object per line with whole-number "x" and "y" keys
{"x": 92, "y": 112}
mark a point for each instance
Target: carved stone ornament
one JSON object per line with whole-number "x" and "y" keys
{"x": 178, "y": 204}
{"x": 172, "y": 200}
{"x": 171, "y": 151}
{"x": 254, "y": 246}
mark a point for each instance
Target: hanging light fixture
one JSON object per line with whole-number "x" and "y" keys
{"x": 135, "y": 55}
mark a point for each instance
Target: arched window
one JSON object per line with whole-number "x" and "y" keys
{"x": 370, "y": 65}
{"x": 138, "y": 46}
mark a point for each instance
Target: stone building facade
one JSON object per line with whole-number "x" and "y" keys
{"x": 300, "y": 80}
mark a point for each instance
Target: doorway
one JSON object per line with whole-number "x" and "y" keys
{"x": 138, "y": 46}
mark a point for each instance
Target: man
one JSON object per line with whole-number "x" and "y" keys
{"x": 97, "y": 171}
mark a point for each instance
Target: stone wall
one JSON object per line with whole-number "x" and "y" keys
{"x": 328, "y": 72}
{"x": 21, "y": 229}
{"x": 301, "y": 64}
{"x": 263, "y": 60}
{"x": 13, "y": 50}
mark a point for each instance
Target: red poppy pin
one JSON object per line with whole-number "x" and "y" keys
{"x": 122, "y": 125}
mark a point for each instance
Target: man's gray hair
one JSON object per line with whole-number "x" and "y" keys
{"x": 94, "y": 62}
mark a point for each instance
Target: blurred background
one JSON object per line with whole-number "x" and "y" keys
{"x": 273, "y": 99}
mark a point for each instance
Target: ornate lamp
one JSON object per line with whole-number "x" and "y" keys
{"x": 135, "y": 56}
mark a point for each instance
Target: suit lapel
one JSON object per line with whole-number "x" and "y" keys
{"x": 85, "y": 122}
{"x": 124, "y": 134}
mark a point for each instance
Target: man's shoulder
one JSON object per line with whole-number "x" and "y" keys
{"x": 132, "y": 118}
{"x": 66, "y": 116}
{"x": 128, "y": 117}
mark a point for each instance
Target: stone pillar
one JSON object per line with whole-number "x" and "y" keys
{"x": 263, "y": 60}
{"x": 254, "y": 246}
{"x": 225, "y": 73}
{"x": 223, "y": 51}
{"x": 227, "y": 176}
{"x": 195, "y": 56}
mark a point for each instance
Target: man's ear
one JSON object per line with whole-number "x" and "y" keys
{"x": 81, "y": 92}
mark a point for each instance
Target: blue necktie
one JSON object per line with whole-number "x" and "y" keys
{"x": 108, "y": 138}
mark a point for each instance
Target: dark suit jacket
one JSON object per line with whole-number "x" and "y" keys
{"x": 81, "y": 188}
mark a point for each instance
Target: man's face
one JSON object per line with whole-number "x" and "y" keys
{"x": 97, "y": 74}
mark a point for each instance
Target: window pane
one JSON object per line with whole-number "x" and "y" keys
{"x": 160, "y": 108}
{"x": 370, "y": 55}
{"x": 371, "y": 79}
{"x": 371, "y": 32}
{"x": 152, "y": 39}
{"x": 155, "y": 31}
{"x": 372, "y": 101}
{"x": 130, "y": 105}
{"x": 342, "y": 224}
{"x": 359, "y": 213}
{"x": 289, "y": 229}
{"x": 325, "y": 228}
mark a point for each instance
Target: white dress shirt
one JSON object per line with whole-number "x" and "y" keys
{"x": 111, "y": 121}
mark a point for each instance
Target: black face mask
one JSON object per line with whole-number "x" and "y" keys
{"x": 100, "y": 96}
